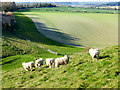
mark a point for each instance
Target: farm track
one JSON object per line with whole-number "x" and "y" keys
{"x": 46, "y": 49}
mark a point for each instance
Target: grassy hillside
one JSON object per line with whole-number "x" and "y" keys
{"x": 23, "y": 45}
{"x": 91, "y": 30}
{"x": 81, "y": 72}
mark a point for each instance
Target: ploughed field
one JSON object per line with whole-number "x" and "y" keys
{"x": 77, "y": 29}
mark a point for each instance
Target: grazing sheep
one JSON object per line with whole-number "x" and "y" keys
{"x": 50, "y": 62}
{"x": 61, "y": 61}
{"x": 94, "y": 53}
{"x": 28, "y": 65}
{"x": 39, "y": 62}
{"x": 9, "y": 13}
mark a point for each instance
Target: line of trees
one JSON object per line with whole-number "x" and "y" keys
{"x": 8, "y": 6}
{"x": 12, "y": 6}
{"x": 34, "y": 5}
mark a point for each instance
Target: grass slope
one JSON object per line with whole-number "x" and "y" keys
{"x": 81, "y": 72}
{"x": 25, "y": 42}
{"x": 91, "y": 30}
{"x": 22, "y": 46}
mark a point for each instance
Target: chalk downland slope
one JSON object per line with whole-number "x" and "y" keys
{"x": 24, "y": 44}
{"x": 77, "y": 29}
{"x": 80, "y": 72}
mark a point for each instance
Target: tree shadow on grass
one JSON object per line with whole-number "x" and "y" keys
{"x": 45, "y": 35}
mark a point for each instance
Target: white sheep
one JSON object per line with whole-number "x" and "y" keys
{"x": 61, "y": 61}
{"x": 28, "y": 65}
{"x": 50, "y": 62}
{"x": 39, "y": 62}
{"x": 94, "y": 53}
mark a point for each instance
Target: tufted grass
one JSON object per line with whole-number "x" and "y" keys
{"x": 22, "y": 45}
{"x": 80, "y": 72}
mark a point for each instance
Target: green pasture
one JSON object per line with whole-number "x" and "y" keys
{"x": 26, "y": 40}
{"x": 76, "y": 9}
{"x": 85, "y": 29}
{"x": 23, "y": 45}
{"x": 80, "y": 72}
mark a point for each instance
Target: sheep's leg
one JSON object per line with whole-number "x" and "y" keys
{"x": 96, "y": 59}
{"x": 26, "y": 69}
{"x": 31, "y": 68}
{"x": 97, "y": 56}
{"x": 53, "y": 65}
{"x": 39, "y": 65}
{"x": 35, "y": 65}
{"x": 93, "y": 59}
{"x": 50, "y": 66}
{"x": 65, "y": 63}
{"x": 56, "y": 67}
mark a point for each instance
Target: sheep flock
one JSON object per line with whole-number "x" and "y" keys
{"x": 50, "y": 62}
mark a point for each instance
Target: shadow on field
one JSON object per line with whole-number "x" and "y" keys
{"x": 102, "y": 57}
{"x": 8, "y": 62}
{"x": 26, "y": 30}
{"x": 55, "y": 34}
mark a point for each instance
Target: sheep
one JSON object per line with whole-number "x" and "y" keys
{"x": 94, "y": 53}
{"x": 39, "y": 62}
{"x": 9, "y": 13}
{"x": 61, "y": 61}
{"x": 50, "y": 62}
{"x": 28, "y": 65}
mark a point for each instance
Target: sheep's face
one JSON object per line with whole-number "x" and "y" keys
{"x": 67, "y": 56}
{"x": 51, "y": 62}
{"x": 98, "y": 50}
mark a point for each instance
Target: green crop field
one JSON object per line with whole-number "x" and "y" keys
{"x": 93, "y": 30}
{"x": 77, "y": 29}
{"x": 76, "y": 9}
